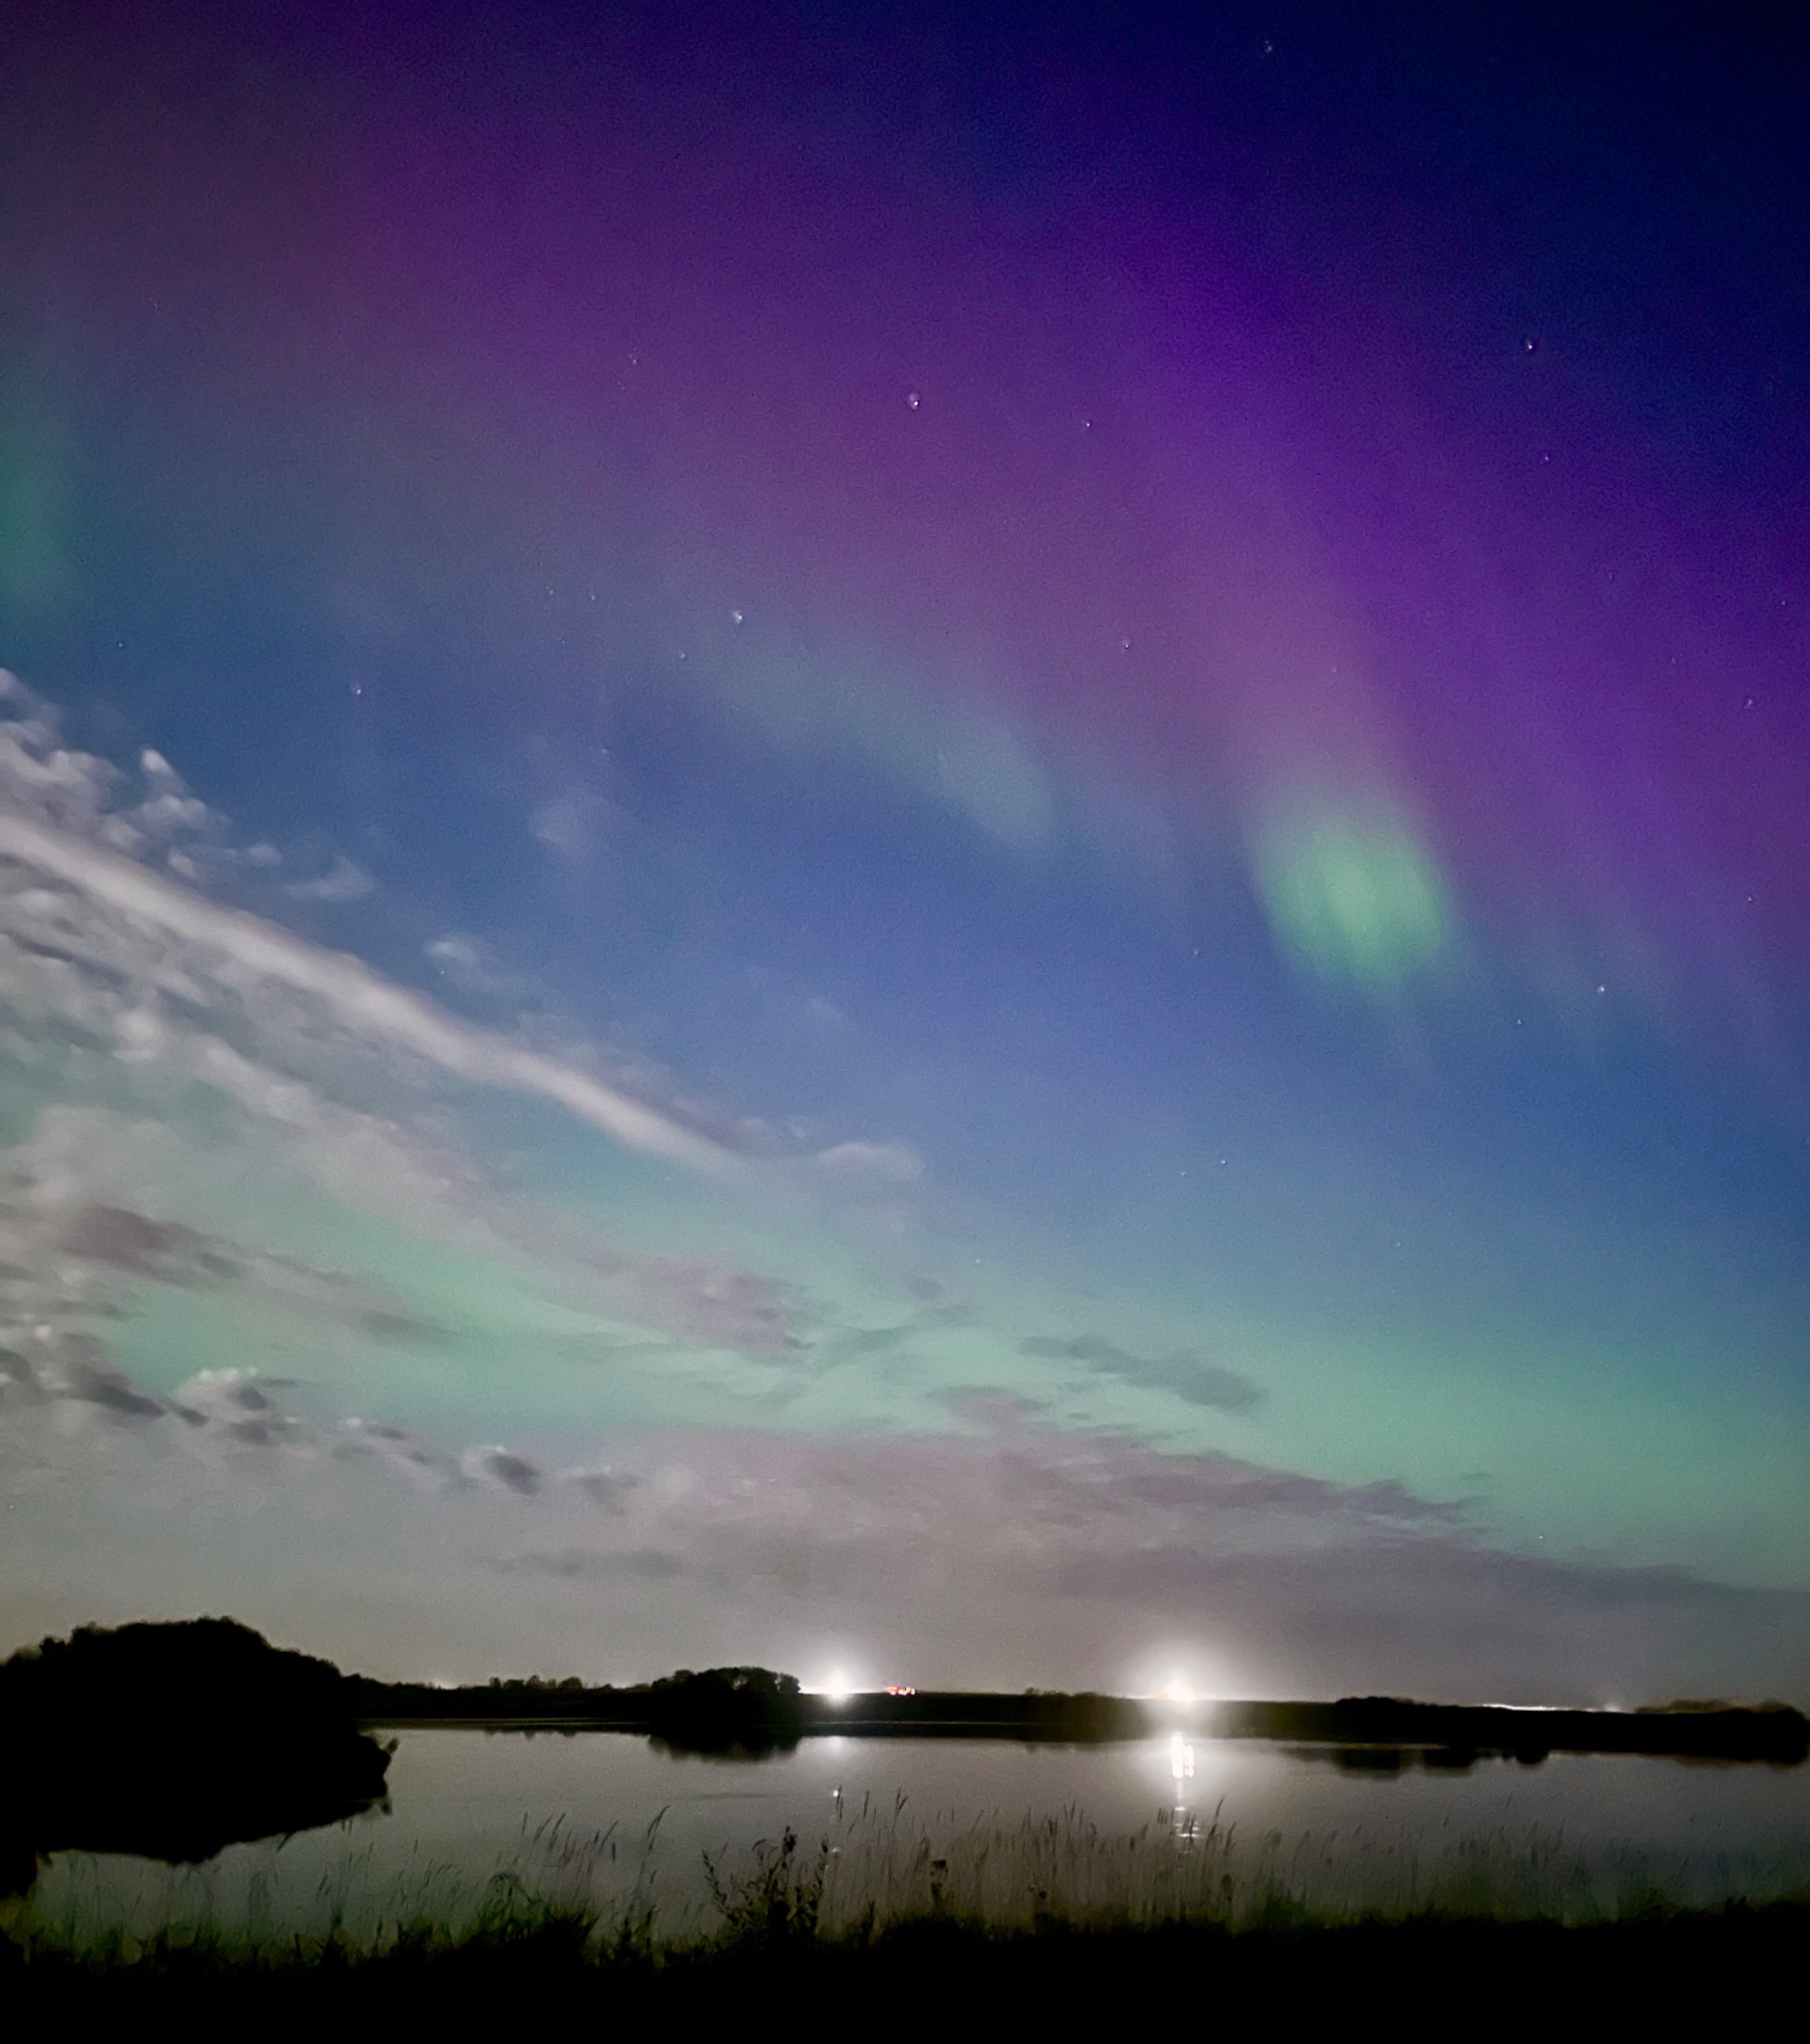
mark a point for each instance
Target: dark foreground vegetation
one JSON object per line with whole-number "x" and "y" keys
{"x": 1467, "y": 1975}
{"x": 172, "y": 1742}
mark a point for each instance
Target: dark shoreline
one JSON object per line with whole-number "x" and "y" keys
{"x": 1382, "y": 1726}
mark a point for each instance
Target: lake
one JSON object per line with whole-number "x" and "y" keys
{"x": 1146, "y": 1826}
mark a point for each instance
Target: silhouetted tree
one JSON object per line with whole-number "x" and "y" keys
{"x": 724, "y": 1710}
{"x": 172, "y": 1741}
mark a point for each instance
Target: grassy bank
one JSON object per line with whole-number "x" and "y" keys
{"x": 895, "y": 1915}
{"x": 551, "y": 1963}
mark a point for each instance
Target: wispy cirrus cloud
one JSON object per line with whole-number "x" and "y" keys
{"x": 122, "y": 983}
{"x": 230, "y": 946}
{"x": 346, "y": 880}
{"x": 72, "y": 821}
{"x": 1190, "y": 1373}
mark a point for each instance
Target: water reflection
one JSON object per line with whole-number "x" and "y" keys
{"x": 1397, "y": 1759}
{"x": 1002, "y": 1817}
{"x": 1180, "y": 1820}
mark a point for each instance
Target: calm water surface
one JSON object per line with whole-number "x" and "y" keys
{"x": 610, "y": 1818}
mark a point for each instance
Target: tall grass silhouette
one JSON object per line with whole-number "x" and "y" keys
{"x": 872, "y": 1868}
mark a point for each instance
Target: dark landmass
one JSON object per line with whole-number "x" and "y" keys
{"x": 1450, "y": 1732}
{"x": 1379, "y": 1725}
{"x": 1448, "y": 1974}
{"x": 726, "y": 1710}
{"x": 1391, "y": 1731}
{"x": 751, "y": 1711}
{"x": 173, "y": 1741}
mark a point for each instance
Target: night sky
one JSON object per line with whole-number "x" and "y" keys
{"x": 971, "y": 842}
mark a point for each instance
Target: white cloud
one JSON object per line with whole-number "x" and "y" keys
{"x": 473, "y": 967}
{"x": 456, "y": 952}
{"x": 236, "y": 950}
{"x": 892, "y": 1163}
{"x": 112, "y": 978}
{"x": 60, "y": 821}
{"x": 347, "y": 881}
{"x": 567, "y": 824}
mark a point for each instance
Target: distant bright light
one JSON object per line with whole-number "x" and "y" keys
{"x": 1180, "y": 1672}
{"x": 839, "y": 1689}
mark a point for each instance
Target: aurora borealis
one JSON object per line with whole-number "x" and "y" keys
{"x": 972, "y": 843}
